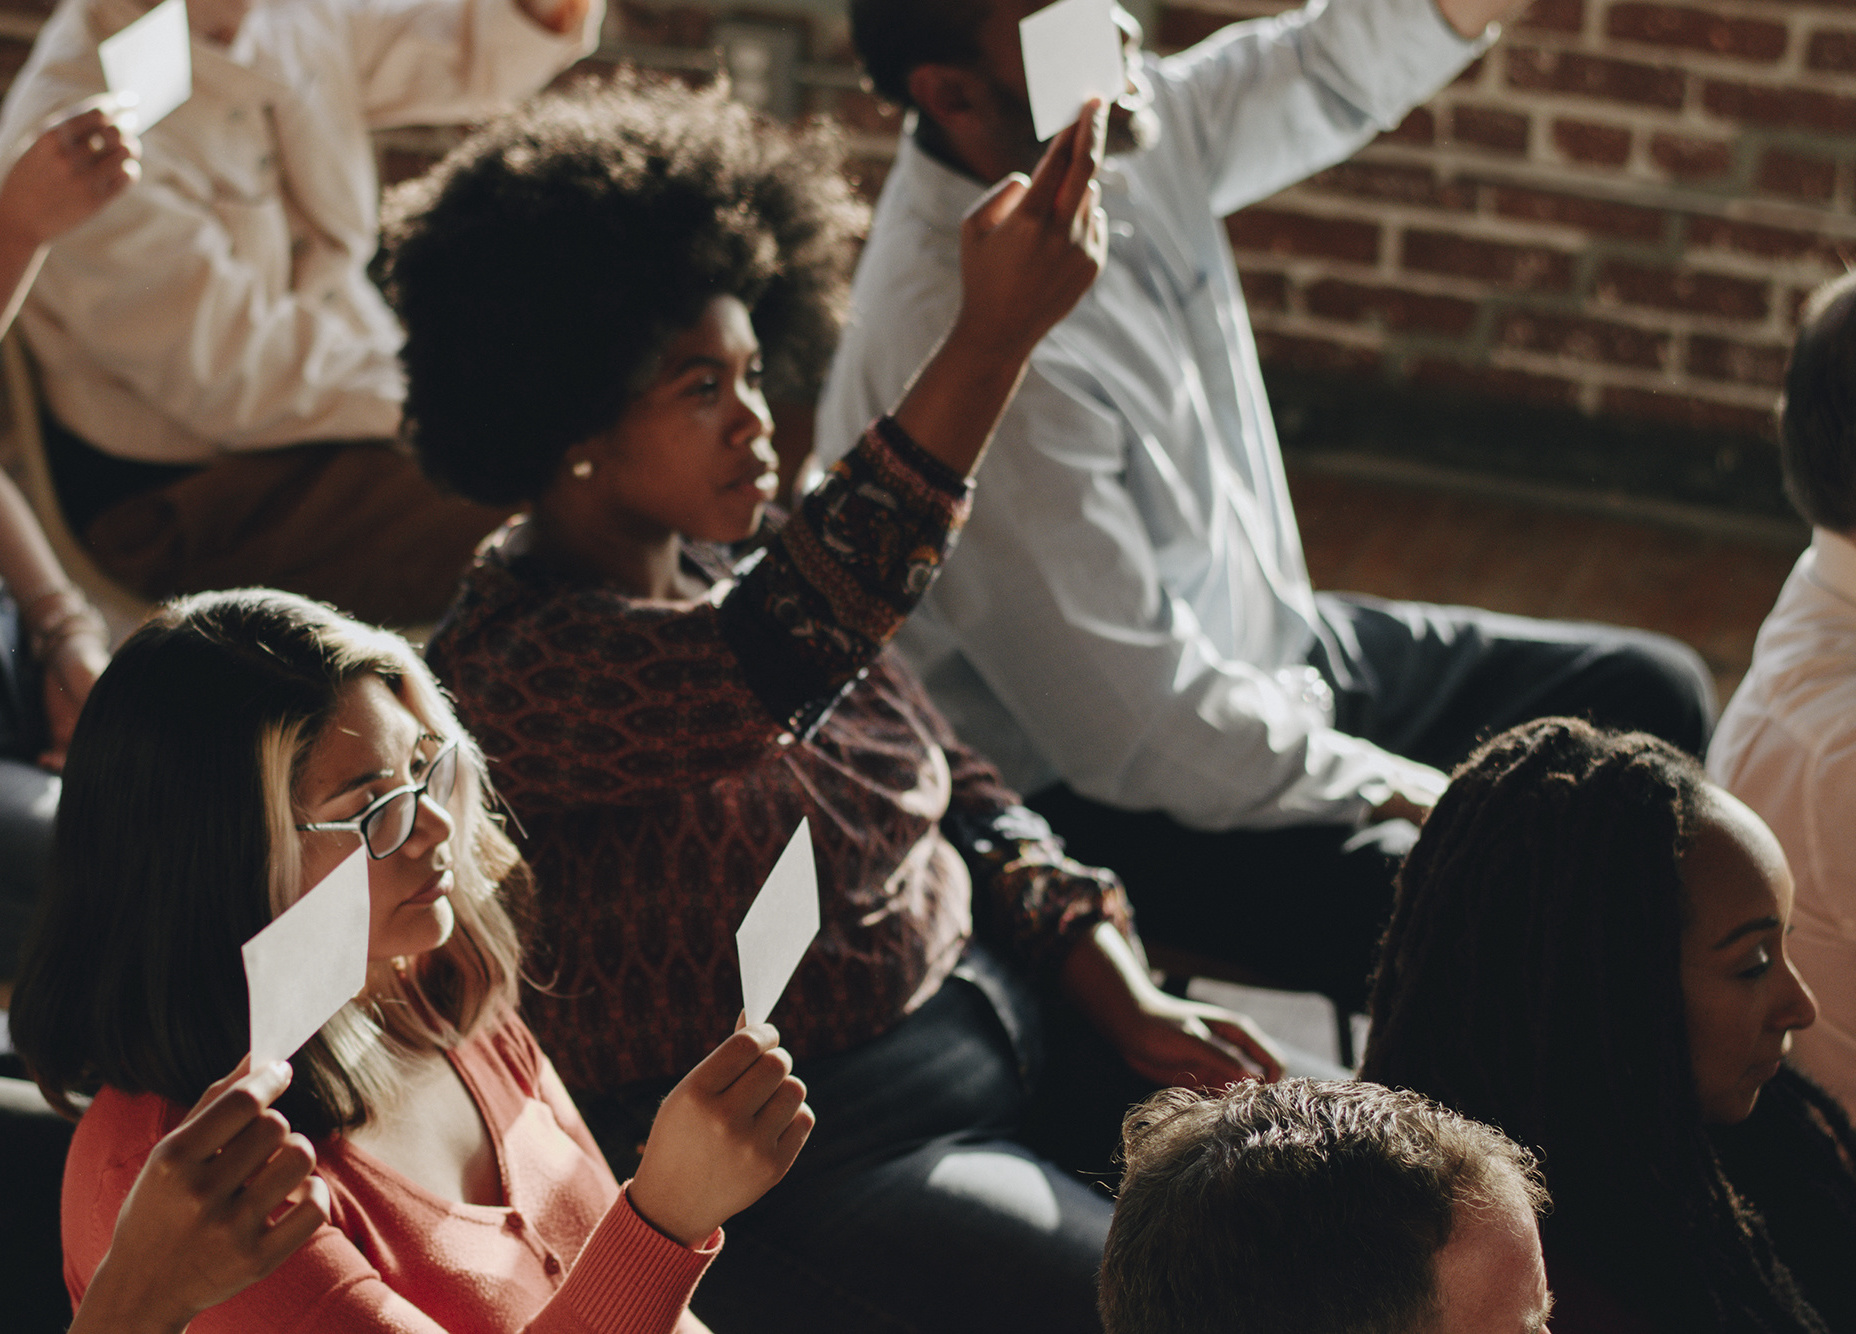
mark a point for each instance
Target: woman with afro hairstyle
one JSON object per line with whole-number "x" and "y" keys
{"x": 1588, "y": 951}
{"x": 595, "y": 292}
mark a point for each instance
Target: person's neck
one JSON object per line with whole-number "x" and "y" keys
{"x": 977, "y": 159}
{"x": 608, "y": 551}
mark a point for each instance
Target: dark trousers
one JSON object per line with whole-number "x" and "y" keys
{"x": 354, "y": 523}
{"x": 935, "y": 1193}
{"x": 1304, "y": 906}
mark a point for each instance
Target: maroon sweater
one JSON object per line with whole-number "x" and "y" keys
{"x": 658, "y": 755}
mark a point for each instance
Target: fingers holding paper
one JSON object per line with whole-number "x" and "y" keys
{"x": 1031, "y": 248}
{"x": 723, "y": 1138}
{"x": 69, "y": 173}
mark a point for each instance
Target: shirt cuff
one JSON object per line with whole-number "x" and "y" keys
{"x": 919, "y": 461}
{"x": 631, "y": 1276}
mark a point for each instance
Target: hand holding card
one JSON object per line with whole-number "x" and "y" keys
{"x": 779, "y": 928}
{"x": 152, "y": 59}
{"x": 308, "y": 963}
{"x": 1072, "y": 53}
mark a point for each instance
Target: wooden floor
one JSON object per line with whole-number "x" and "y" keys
{"x": 1403, "y": 541}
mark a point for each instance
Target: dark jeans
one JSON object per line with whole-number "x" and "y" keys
{"x": 927, "y": 1199}
{"x": 1304, "y": 906}
{"x": 28, "y": 794}
{"x": 33, "y": 1140}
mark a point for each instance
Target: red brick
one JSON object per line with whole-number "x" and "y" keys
{"x": 1689, "y": 159}
{"x": 1780, "y": 108}
{"x": 1832, "y": 49}
{"x": 1699, "y": 414}
{"x": 1397, "y": 308}
{"x": 1741, "y": 363}
{"x": 1406, "y": 185}
{"x": 402, "y": 164}
{"x": 867, "y": 174}
{"x": 1796, "y": 175}
{"x": 1553, "y": 16}
{"x": 1470, "y": 74}
{"x": 855, "y": 109}
{"x": 1582, "y": 339}
{"x": 1750, "y": 238}
{"x": 1600, "y": 145}
{"x": 1486, "y": 127}
{"x": 1697, "y": 30}
{"x": 1495, "y": 382}
{"x": 1265, "y": 290}
{"x": 1181, "y": 26}
{"x": 680, "y": 25}
{"x": 1592, "y": 215}
{"x": 1283, "y": 233}
{"x": 1534, "y": 268}
{"x": 1418, "y": 127}
{"x": 31, "y": 8}
{"x": 1313, "y": 354}
{"x": 1595, "y": 76}
{"x": 1682, "y": 289}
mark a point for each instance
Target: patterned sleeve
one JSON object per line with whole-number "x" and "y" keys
{"x": 843, "y": 574}
{"x": 1028, "y": 896}
{"x": 584, "y": 697}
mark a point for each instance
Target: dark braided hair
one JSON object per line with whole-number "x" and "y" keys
{"x": 1531, "y": 979}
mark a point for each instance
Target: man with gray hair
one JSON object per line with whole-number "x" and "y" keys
{"x": 1323, "y": 1208}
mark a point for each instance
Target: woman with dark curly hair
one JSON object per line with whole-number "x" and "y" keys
{"x": 1588, "y": 951}
{"x": 663, "y": 710}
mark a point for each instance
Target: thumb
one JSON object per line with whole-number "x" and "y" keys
{"x": 997, "y": 204}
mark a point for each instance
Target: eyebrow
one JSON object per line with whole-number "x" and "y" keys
{"x": 358, "y": 781}
{"x": 1757, "y": 926}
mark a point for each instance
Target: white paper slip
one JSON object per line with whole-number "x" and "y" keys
{"x": 779, "y": 927}
{"x": 308, "y": 963}
{"x": 1072, "y": 53}
{"x": 153, "y": 59}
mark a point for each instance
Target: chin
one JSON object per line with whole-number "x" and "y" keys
{"x": 423, "y": 927}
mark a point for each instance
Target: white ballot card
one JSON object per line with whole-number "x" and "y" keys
{"x": 779, "y": 927}
{"x": 308, "y": 963}
{"x": 1072, "y": 53}
{"x": 153, "y": 59}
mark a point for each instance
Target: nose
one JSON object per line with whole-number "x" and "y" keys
{"x": 1798, "y": 1009}
{"x": 432, "y": 825}
{"x": 754, "y": 419}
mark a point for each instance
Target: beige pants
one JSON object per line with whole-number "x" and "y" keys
{"x": 356, "y": 525}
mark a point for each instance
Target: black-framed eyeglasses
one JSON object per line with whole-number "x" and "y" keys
{"x": 388, "y": 822}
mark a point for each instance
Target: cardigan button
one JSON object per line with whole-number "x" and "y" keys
{"x": 515, "y": 1223}
{"x": 552, "y": 1265}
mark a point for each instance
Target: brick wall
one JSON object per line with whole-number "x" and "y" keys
{"x": 1618, "y": 210}
{"x": 1612, "y": 217}
{"x": 1614, "y": 214}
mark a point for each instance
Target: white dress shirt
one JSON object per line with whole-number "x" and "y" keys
{"x": 1128, "y": 609}
{"x": 222, "y": 303}
{"x": 1786, "y": 746}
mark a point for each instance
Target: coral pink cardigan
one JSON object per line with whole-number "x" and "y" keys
{"x": 565, "y": 1253}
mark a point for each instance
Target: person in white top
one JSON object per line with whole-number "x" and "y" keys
{"x": 221, "y": 377}
{"x": 1786, "y": 745}
{"x": 1127, "y": 627}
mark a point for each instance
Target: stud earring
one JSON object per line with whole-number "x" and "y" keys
{"x": 583, "y": 469}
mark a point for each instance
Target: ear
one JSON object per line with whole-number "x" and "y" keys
{"x": 947, "y": 94}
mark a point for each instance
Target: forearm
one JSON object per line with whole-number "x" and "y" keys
{"x": 110, "y": 1307}
{"x": 20, "y": 258}
{"x": 1106, "y": 978}
{"x": 953, "y": 405}
{"x": 26, "y": 560}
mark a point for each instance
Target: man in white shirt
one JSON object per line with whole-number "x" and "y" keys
{"x": 1127, "y": 627}
{"x": 221, "y": 378}
{"x": 1787, "y": 740}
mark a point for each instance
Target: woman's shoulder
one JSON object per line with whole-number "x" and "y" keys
{"x": 112, "y": 1142}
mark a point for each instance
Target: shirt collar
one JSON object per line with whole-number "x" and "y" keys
{"x": 1833, "y": 563}
{"x": 937, "y": 192}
